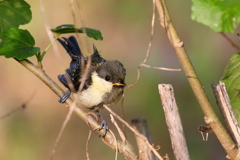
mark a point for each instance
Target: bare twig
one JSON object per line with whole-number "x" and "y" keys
{"x": 210, "y": 116}
{"x": 72, "y": 106}
{"x": 230, "y": 41}
{"x": 161, "y": 68}
{"x": 205, "y": 129}
{"x": 49, "y": 33}
{"x": 144, "y": 139}
{"x": 22, "y": 107}
{"x": 140, "y": 124}
{"x": 173, "y": 121}
{"x": 71, "y": 3}
{"x": 145, "y": 60}
{"x": 143, "y": 64}
{"x": 123, "y": 137}
{"x": 83, "y": 78}
{"x": 124, "y": 148}
{"x": 119, "y": 131}
{"x": 85, "y": 73}
{"x": 223, "y": 102}
{"x": 166, "y": 157}
{"x": 148, "y": 50}
{"x": 88, "y": 139}
{"x": 139, "y": 66}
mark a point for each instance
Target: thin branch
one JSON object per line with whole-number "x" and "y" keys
{"x": 230, "y": 41}
{"x": 140, "y": 124}
{"x": 210, "y": 116}
{"x": 139, "y": 66}
{"x": 143, "y": 64}
{"x": 88, "y": 139}
{"x": 146, "y": 58}
{"x": 21, "y": 108}
{"x": 83, "y": 78}
{"x": 161, "y": 68}
{"x": 123, "y": 137}
{"x": 86, "y": 70}
{"x": 71, "y": 3}
{"x": 124, "y": 148}
{"x": 144, "y": 139}
{"x": 66, "y": 120}
{"x": 49, "y": 33}
{"x": 149, "y": 47}
{"x": 152, "y": 32}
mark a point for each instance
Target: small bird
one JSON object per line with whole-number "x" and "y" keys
{"x": 104, "y": 84}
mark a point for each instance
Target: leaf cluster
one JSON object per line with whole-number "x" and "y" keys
{"x": 19, "y": 43}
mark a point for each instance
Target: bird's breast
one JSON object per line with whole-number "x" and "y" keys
{"x": 93, "y": 95}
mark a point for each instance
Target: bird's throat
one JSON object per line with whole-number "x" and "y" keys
{"x": 93, "y": 95}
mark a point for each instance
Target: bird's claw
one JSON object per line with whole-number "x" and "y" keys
{"x": 104, "y": 126}
{"x": 65, "y": 96}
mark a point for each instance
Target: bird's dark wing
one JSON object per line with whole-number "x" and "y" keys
{"x": 71, "y": 46}
{"x": 74, "y": 76}
{"x": 63, "y": 80}
{"x": 73, "y": 73}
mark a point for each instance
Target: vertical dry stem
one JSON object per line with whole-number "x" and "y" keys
{"x": 140, "y": 124}
{"x": 173, "y": 122}
{"x": 223, "y": 102}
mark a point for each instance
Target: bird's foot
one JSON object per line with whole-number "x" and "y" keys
{"x": 103, "y": 124}
{"x": 65, "y": 96}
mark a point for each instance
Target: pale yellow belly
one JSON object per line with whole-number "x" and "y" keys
{"x": 90, "y": 99}
{"x": 94, "y": 94}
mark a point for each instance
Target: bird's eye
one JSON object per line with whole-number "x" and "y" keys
{"x": 121, "y": 81}
{"x": 107, "y": 78}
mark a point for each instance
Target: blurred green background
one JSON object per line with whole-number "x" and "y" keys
{"x": 126, "y": 27}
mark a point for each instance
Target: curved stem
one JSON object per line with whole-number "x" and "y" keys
{"x": 40, "y": 56}
{"x": 50, "y": 45}
{"x": 230, "y": 41}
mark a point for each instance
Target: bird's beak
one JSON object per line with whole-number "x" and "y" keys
{"x": 119, "y": 84}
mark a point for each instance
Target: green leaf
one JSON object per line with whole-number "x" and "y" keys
{"x": 14, "y": 13}
{"x": 17, "y": 43}
{"x": 69, "y": 28}
{"x": 231, "y": 78}
{"x": 220, "y": 15}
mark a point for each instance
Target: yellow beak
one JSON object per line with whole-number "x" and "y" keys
{"x": 118, "y": 84}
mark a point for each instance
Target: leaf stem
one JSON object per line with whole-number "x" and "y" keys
{"x": 45, "y": 51}
{"x": 230, "y": 41}
{"x": 40, "y": 56}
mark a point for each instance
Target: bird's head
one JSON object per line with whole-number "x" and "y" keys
{"x": 114, "y": 72}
